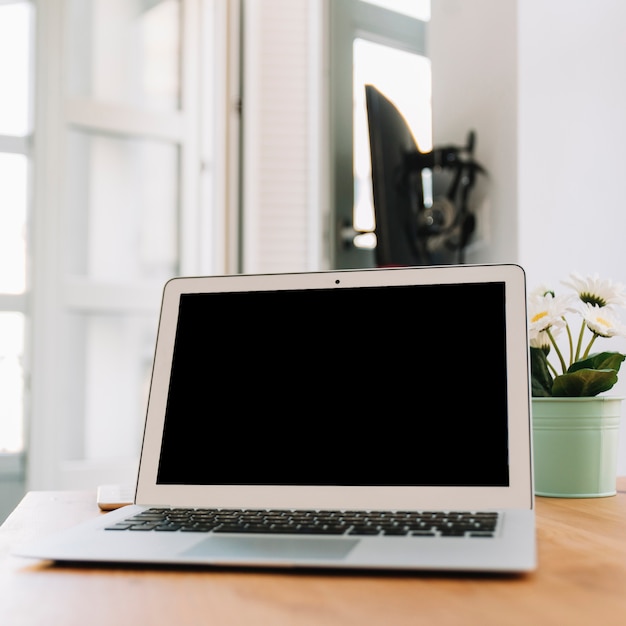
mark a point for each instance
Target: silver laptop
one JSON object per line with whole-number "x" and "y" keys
{"x": 362, "y": 419}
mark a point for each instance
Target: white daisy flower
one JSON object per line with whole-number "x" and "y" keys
{"x": 596, "y": 303}
{"x": 541, "y": 291}
{"x": 539, "y": 339}
{"x": 602, "y": 321}
{"x": 546, "y": 312}
{"x": 595, "y": 290}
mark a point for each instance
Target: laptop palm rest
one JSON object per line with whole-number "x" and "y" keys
{"x": 272, "y": 548}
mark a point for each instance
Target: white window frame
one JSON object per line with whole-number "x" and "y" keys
{"x": 202, "y": 136}
{"x": 12, "y": 464}
{"x": 349, "y": 20}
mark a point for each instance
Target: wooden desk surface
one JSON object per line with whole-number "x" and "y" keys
{"x": 581, "y": 580}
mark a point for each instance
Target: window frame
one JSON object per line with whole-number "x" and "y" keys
{"x": 349, "y": 20}
{"x": 12, "y": 464}
{"x": 54, "y": 438}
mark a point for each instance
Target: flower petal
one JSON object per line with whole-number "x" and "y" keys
{"x": 602, "y": 321}
{"x": 595, "y": 290}
{"x": 547, "y": 312}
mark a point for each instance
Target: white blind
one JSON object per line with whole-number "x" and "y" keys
{"x": 276, "y": 162}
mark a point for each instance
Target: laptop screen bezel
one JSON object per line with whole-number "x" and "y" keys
{"x": 519, "y": 493}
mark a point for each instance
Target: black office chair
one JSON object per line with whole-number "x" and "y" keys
{"x": 408, "y": 232}
{"x": 394, "y": 187}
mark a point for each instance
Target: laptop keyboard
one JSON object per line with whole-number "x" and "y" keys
{"x": 300, "y": 522}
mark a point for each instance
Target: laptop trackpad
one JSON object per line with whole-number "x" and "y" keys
{"x": 247, "y": 547}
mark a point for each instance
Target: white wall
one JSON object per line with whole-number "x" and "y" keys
{"x": 572, "y": 145}
{"x": 544, "y": 84}
{"x": 473, "y": 50}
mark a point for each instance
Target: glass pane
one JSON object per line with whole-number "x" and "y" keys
{"x": 110, "y": 352}
{"x": 419, "y": 9}
{"x": 15, "y": 26}
{"x": 126, "y": 52}
{"x": 123, "y": 208}
{"x": 13, "y": 194}
{"x": 11, "y": 382}
{"x": 409, "y": 88}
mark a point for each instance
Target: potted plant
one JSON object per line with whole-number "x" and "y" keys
{"x": 575, "y": 430}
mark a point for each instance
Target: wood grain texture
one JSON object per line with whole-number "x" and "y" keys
{"x": 581, "y": 580}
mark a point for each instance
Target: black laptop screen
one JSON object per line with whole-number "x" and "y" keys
{"x": 402, "y": 385}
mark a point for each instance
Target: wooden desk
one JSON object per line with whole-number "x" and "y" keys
{"x": 581, "y": 580}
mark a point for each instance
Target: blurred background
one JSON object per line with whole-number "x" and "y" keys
{"x": 143, "y": 139}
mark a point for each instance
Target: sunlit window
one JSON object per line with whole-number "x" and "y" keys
{"x": 11, "y": 382}
{"x": 13, "y": 196}
{"x": 15, "y": 26}
{"x": 123, "y": 214}
{"x": 15, "y": 116}
{"x": 142, "y": 70}
{"x": 123, "y": 199}
{"x": 99, "y": 207}
{"x": 419, "y": 9}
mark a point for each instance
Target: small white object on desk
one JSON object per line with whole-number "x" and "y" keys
{"x": 111, "y": 497}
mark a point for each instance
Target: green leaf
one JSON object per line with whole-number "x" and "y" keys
{"x": 584, "y": 383}
{"x": 599, "y": 361}
{"x": 541, "y": 379}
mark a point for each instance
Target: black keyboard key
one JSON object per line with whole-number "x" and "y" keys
{"x": 364, "y": 523}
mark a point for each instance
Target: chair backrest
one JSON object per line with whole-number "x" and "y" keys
{"x": 397, "y": 192}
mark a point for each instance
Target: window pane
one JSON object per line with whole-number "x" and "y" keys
{"x": 15, "y": 22}
{"x": 409, "y": 88}
{"x": 126, "y": 52}
{"x": 419, "y": 9}
{"x": 123, "y": 208}
{"x": 11, "y": 382}
{"x": 13, "y": 194}
{"x": 112, "y": 357}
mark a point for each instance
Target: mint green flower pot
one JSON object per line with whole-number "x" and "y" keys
{"x": 575, "y": 446}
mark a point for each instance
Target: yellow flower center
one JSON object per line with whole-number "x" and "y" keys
{"x": 539, "y": 316}
{"x": 602, "y": 321}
